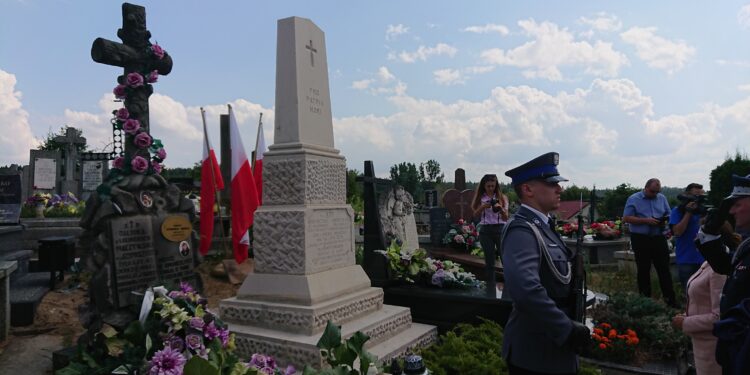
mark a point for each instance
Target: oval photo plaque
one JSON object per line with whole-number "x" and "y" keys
{"x": 176, "y": 228}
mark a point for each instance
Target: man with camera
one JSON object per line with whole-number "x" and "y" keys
{"x": 647, "y": 212}
{"x": 685, "y": 222}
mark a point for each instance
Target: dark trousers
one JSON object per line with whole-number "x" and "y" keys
{"x": 489, "y": 237}
{"x": 648, "y": 250}
{"x": 513, "y": 370}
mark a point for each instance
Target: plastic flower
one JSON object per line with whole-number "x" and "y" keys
{"x": 194, "y": 341}
{"x": 139, "y": 164}
{"x": 153, "y": 76}
{"x": 161, "y": 153}
{"x": 122, "y": 114}
{"x": 134, "y": 79}
{"x": 211, "y": 331}
{"x": 167, "y": 361}
{"x": 196, "y": 323}
{"x": 459, "y": 238}
{"x": 119, "y": 92}
{"x": 131, "y": 126}
{"x": 157, "y": 167}
{"x": 157, "y": 51}
{"x": 142, "y": 140}
{"x": 119, "y": 162}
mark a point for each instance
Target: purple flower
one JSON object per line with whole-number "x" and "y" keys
{"x": 119, "y": 92}
{"x": 167, "y": 361}
{"x": 176, "y": 343}
{"x": 161, "y": 153}
{"x": 193, "y": 341}
{"x": 438, "y": 277}
{"x": 196, "y": 323}
{"x": 290, "y": 370}
{"x": 119, "y": 162}
{"x": 185, "y": 287}
{"x": 258, "y": 360}
{"x": 266, "y": 371}
{"x": 157, "y": 51}
{"x": 123, "y": 114}
{"x": 224, "y": 336}
{"x": 210, "y": 331}
{"x": 157, "y": 167}
{"x": 134, "y": 79}
{"x": 131, "y": 126}
{"x": 142, "y": 140}
{"x": 139, "y": 164}
{"x": 153, "y": 76}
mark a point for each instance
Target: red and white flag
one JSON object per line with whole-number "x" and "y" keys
{"x": 260, "y": 149}
{"x": 244, "y": 193}
{"x": 210, "y": 182}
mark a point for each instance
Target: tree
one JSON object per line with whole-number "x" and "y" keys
{"x": 613, "y": 202}
{"x": 406, "y": 175}
{"x": 430, "y": 172}
{"x": 721, "y": 176}
{"x": 354, "y": 191}
{"x": 573, "y": 193}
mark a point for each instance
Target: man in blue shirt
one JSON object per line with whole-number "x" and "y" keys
{"x": 647, "y": 212}
{"x": 685, "y": 223}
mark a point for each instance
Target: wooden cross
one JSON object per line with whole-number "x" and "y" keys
{"x": 133, "y": 55}
{"x": 310, "y": 47}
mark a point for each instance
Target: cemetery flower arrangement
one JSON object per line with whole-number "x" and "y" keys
{"x": 66, "y": 205}
{"x": 38, "y": 199}
{"x": 414, "y": 266}
{"x": 462, "y": 235}
{"x": 567, "y": 229}
{"x": 609, "y": 344}
{"x": 607, "y": 229}
{"x": 176, "y": 335}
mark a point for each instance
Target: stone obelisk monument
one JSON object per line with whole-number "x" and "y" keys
{"x": 305, "y": 271}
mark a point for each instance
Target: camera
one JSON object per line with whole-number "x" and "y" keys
{"x": 700, "y": 207}
{"x": 493, "y": 201}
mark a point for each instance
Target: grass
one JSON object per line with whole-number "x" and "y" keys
{"x": 609, "y": 282}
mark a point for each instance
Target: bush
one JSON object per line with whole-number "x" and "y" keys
{"x": 468, "y": 347}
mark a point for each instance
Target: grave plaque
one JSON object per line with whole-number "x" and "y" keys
{"x": 440, "y": 224}
{"x": 175, "y": 257}
{"x": 10, "y": 198}
{"x": 330, "y": 238}
{"x": 92, "y": 174}
{"x": 176, "y": 228}
{"x": 133, "y": 255}
{"x": 45, "y": 173}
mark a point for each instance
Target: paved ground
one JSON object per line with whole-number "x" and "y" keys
{"x": 29, "y": 354}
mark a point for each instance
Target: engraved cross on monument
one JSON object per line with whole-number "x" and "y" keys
{"x": 70, "y": 142}
{"x": 133, "y": 55}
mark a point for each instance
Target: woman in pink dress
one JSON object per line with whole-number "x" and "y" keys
{"x": 703, "y": 295}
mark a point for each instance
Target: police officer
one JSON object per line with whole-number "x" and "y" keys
{"x": 540, "y": 337}
{"x": 731, "y": 349}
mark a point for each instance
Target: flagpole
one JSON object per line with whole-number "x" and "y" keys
{"x": 213, "y": 183}
{"x": 257, "y": 137}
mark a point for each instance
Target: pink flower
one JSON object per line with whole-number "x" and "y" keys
{"x": 460, "y": 221}
{"x": 131, "y": 126}
{"x": 119, "y": 162}
{"x": 167, "y": 361}
{"x": 161, "y": 153}
{"x": 458, "y": 238}
{"x": 134, "y": 79}
{"x": 122, "y": 114}
{"x": 119, "y": 92}
{"x": 157, "y": 167}
{"x": 153, "y": 76}
{"x": 139, "y": 164}
{"x": 157, "y": 51}
{"x": 142, "y": 140}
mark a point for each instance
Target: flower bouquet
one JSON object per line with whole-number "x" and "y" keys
{"x": 568, "y": 229}
{"x": 610, "y": 345}
{"x": 462, "y": 236}
{"x": 606, "y": 230}
{"x": 175, "y": 335}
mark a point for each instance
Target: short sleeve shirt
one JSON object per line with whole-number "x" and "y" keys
{"x": 639, "y": 206}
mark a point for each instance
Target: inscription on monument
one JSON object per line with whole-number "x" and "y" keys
{"x": 315, "y": 101}
{"x": 329, "y": 237}
{"x": 45, "y": 173}
{"x": 10, "y": 198}
{"x": 92, "y": 175}
{"x": 134, "y": 256}
{"x": 175, "y": 252}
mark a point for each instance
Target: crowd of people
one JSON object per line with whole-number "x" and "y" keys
{"x": 712, "y": 256}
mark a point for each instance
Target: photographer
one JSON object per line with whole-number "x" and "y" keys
{"x": 492, "y": 207}
{"x": 647, "y": 212}
{"x": 685, "y": 222}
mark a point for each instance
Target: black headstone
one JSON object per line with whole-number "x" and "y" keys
{"x": 10, "y": 198}
{"x": 440, "y": 224}
{"x": 431, "y": 198}
{"x": 374, "y": 264}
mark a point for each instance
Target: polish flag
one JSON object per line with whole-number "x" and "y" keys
{"x": 260, "y": 149}
{"x": 210, "y": 181}
{"x": 244, "y": 193}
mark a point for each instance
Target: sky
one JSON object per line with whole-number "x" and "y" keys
{"x": 623, "y": 91}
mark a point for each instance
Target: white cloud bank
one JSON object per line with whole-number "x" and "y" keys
{"x": 16, "y": 137}
{"x": 656, "y": 51}
{"x": 423, "y": 53}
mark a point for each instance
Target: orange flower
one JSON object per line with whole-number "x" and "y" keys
{"x": 598, "y": 331}
{"x": 631, "y": 333}
{"x": 596, "y": 337}
{"x": 612, "y": 333}
{"x": 602, "y": 346}
{"x": 606, "y": 326}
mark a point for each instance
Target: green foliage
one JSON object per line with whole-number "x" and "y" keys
{"x": 614, "y": 200}
{"x": 49, "y": 143}
{"x": 406, "y": 175}
{"x": 194, "y": 173}
{"x": 355, "y": 194}
{"x": 468, "y": 349}
{"x": 429, "y": 172}
{"x": 341, "y": 355}
{"x": 574, "y": 193}
{"x": 649, "y": 318}
{"x": 721, "y": 176}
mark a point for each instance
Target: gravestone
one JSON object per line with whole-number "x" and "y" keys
{"x": 10, "y": 196}
{"x": 93, "y": 173}
{"x": 70, "y": 142}
{"x": 45, "y": 167}
{"x": 137, "y": 226}
{"x": 375, "y": 265}
{"x": 305, "y": 271}
{"x": 458, "y": 199}
{"x": 440, "y": 224}
{"x": 396, "y": 209}
{"x": 430, "y": 198}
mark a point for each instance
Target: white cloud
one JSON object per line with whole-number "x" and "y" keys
{"x": 658, "y": 52}
{"x": 743, "y": 16}
{"x": 553, "y": 48}
{"x": 362, "y": 84}
{"x": 448, "y": 77}
{"x": 385, "y": 75}
{"x": 16, "y": 137}
{"x": 738, "y": 63}
{"x": 392, "y": 31}
{"x": 602, "y": 22}
{"x": 423, "y": 53}
{"x": 488, "y": 28}
{"x": 745, "y": 87}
